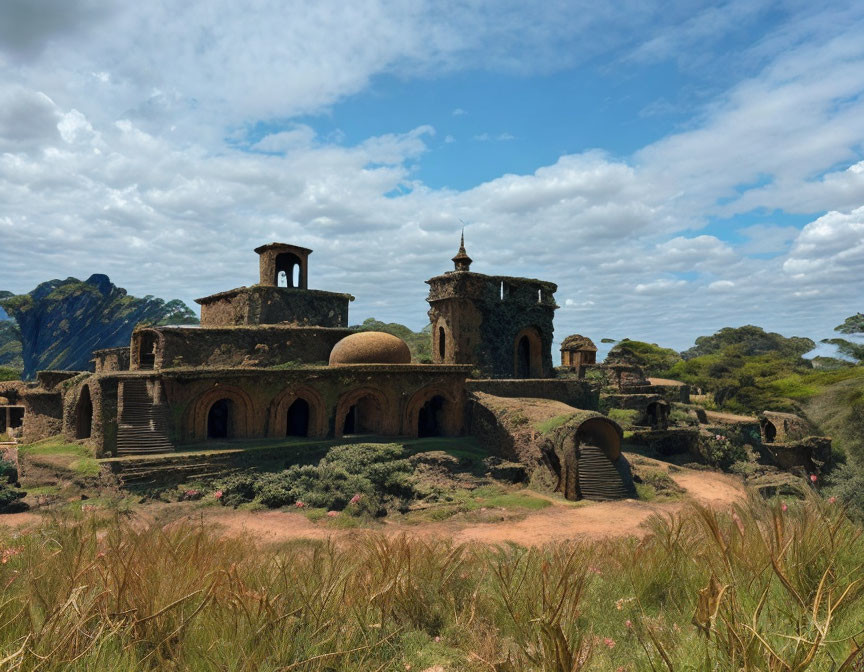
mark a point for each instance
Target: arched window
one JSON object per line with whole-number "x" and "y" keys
{"x": 442, "y": 343}
{"x": 770, "y": 432}
{"x": 220, "y": 421}
{"x": 298, "y": 419}
{"x": 289, "y": 266}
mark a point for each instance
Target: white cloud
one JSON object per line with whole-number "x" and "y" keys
{"x": 115, "y": 161}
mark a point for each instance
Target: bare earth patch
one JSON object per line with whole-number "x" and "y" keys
{"x": 560, "y": 522}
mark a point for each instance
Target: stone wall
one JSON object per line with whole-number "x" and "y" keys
{"x": 238, "y": 346}
{"x": 111, "y": 359}
{"x": 392, "y": 397}
{"x": 572, "y": 392}
{"x": 43, "y": 414}
{"x": 275, "y": 305}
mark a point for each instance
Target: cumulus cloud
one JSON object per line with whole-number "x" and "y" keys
{"x": 113, "y": 158}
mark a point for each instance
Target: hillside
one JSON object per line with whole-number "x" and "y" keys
{"x": 61, "y": 322}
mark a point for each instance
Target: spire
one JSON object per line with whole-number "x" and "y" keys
{"x": 462, "y": 261}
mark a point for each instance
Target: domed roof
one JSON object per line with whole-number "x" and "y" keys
{"x": 370, "y": 347}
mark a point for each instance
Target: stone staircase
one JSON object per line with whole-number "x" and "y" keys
{"x": 143, "y": 426}
{"x": 598, "y": 477}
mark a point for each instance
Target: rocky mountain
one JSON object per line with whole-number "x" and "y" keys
{"x": 60, "y": 323}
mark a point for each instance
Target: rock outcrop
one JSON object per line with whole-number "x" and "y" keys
{"x": 61, "y": 322}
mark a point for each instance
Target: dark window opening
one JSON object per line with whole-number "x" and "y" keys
{"x": 16, "y": 417}
{"x": 289, "y": 270}
{"x": 84, "y": 415}
{"x": 658, "y": 414}
{"x": 770, "y": 432}
{"x": 298, "y": 419}
{"x": 147, "y": 351}
{"x": 219, "y": 420}
{"x": 523, "y": 358}
{"x": 429, "y": 420}
{"x": 442, "y": 343}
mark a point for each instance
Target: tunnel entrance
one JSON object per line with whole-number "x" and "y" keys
{"x": 769, "y": 431}
{"x": 298, "y": 419}
{"x": 219, "y": 420}
{"x": 430, "y": 417}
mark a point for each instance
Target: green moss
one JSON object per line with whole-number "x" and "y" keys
{"x": 552, "y": 423}
{"x": 86, "y": 466}
{"x": 55, "y": 446}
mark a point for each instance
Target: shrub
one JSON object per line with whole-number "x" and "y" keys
{"x": 10, "y": 499}
{"x": 379, "y": 474}
{"x": 719, "y": 451}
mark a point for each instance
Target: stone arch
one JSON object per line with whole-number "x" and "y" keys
{"x": 528, "y": 354}
{"x": 292, "y": 267}
{"x": 278, "y": 420}
{"x": 147, "y": 347}
{"x": 364, "y": 410}
{"x": 84, "y": 414}
{"x": 446, "y": 412}
{"x": 603, "y": 433}
{"x": 769, "y": 431}
{"x": 241, "y": 409}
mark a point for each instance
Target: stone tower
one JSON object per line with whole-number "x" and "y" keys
{"x": 499, "y": 324}
{"x": 282, "y": 295}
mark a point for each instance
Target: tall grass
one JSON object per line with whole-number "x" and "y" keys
{"x": 757, "y": 589}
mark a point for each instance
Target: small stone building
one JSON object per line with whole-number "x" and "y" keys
{"x": 578, "y": 351}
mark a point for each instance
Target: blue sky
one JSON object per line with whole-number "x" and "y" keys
{"x": 674, "y": 167}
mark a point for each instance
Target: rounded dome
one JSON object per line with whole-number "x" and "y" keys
{"x": 370, "y": 347}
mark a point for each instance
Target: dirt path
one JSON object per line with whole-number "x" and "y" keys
{"x": 560, "y": 522}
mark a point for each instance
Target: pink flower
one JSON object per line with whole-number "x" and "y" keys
{"x": 609, "y": 642}
{"x": 332, "y": 514}
{"x": 299, "y": 504}
{"x": 628, "y": 623}
{"x": 355, "y": 499}
{"x": 595, "y": 570}
{"x": 813, "y": 478}
{"x": 218, "y": 494}
{"x": 832, "y": 500}
{"x": 783, "y": 507}
{"x": 437, "y": 639}
{"x": 9, "y": 553}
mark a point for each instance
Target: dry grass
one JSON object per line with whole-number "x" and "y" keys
{"x": 760, "y": 589}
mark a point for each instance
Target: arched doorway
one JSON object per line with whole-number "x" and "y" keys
{"x": 84, "y": 414}
{"x": 430, "y": 421}
{"x": 523, "y": 358}
{"x": 365, "y": 416}
{"x": 147, "y": 350}
{"x": 297, "y": 423}
{"x": 769, "y": 431}
{"x": 528, "y": 354}
{"x": 220, "y": 421}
